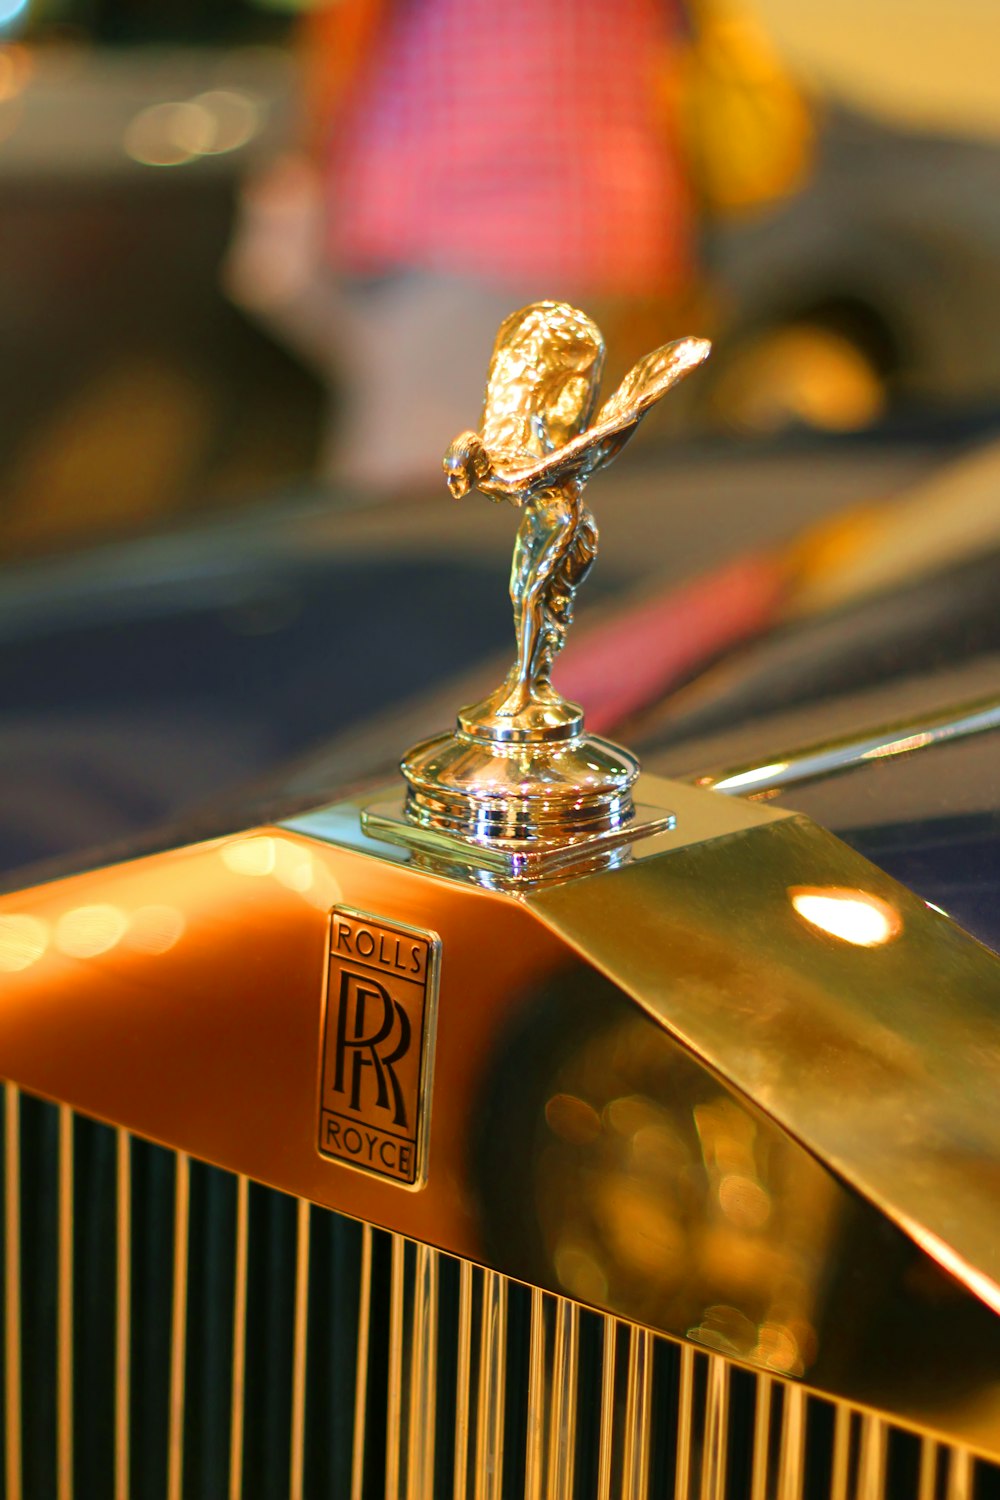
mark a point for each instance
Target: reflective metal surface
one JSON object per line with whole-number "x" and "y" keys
{"x": 518, "y": 767}
{"x": 794, "y": 767}
{"x": 192, "y": 984}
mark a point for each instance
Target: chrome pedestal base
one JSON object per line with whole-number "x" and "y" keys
{"x": 548, "y": 785}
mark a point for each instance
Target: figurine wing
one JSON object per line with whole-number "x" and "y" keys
{"x": 543, "y": 381}
{"x": 618, "y": 418}
{"x": 650, "y": 379}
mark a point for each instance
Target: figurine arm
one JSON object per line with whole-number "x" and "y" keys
{"x": 617, "y": 419}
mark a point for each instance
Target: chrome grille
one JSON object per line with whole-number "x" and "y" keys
{"x": 171, "y": 1330}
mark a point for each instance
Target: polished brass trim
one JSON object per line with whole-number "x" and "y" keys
{"x": 463, "y": 1380}
{"x": 715, "y": 1441}
{"x": 810, "y": 762}
{"x": 64, "y": 1316}
{"x": 492, "y": 1388}
{"x": 421, "y": 1394}
{"x": 607, "y": 1427}
{"x": 123, "y": 1313}
{"x": 638, "y": 1413}
{"x": 238, "y": 1393}
{"x": 300, "y": 1338}
{"x": 512, "y": 859}
{"x": 394, "y": 1405}
{"x": 12, "y": 1292}
{"x": 361, "y": 1365}
{"x": 792, "y": 1447}
{"x": 178, "y": 1328}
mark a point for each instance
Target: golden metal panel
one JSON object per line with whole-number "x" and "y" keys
{"x": 123, "y": 1314}
{"x": 748, "y": 987}
{"x": 12, "y": 1292}
{"x": 64, "y": 1314}
{"x": 300, "y": 1336}
{"x": 178, "y": 1329}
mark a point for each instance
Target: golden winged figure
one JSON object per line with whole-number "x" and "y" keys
{"x": 536, "y": 450}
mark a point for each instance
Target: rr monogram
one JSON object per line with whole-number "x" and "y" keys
{"x": 377, "y": 1029}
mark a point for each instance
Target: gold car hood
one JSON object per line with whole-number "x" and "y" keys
{"x": 740, "y": 1086}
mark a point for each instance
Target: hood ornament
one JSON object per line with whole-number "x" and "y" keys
{"x": 519, "y": 771}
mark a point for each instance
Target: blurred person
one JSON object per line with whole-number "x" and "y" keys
{"x": 463, "y": 158}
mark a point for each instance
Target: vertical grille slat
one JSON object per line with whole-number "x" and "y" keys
{"x": 607, "y": 1420}
{"x": 961, "y": 1472}
{"x": 463, "y": 1382}
{"x": 840, "y": 1470}
{"x": 296, "y": 1473}
{"x": 792, "y": 1449}
{"x": 174, "y": 1332}
{"x": 123, "y": 1309}
{"x": 421, "y": 1416}
{"x": 237, "y": 1397}
{"x": 12, "y": 1292}
{"x": 685, "y": 1425}
{"x": 872, "y": 1460}
{"x": 393, "y": 1444}
{"x": 361, "y": 1373}
{"x": 492, "y": 1388}
{"x": 178, "y": 1328}
{"x": 760, "y": 1470}
{"x": 64, "y": 1315}
{"x": 638, "y": 1408}
{"x": 715, "y": 1444}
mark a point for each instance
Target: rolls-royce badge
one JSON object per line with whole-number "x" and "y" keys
{"x": 378, "y": 1031}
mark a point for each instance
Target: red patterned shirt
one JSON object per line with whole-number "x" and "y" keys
{"x": 513, "y": 141}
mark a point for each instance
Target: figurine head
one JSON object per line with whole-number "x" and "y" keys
{"x": 465, "y": 463}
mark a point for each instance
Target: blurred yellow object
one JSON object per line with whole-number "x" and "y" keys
{"x": 803, "y": 373}
{"x": 745, "y": 125}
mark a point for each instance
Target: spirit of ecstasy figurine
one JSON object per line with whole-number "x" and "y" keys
{"x": 537, "y": 451}
{"x": 519, "y": 782}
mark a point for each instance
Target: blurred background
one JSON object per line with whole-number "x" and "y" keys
{"x": 183, "y": 201}
{"x": 253, "y": 254}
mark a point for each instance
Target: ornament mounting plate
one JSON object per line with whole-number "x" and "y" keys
{"x": 512, "y": 859}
